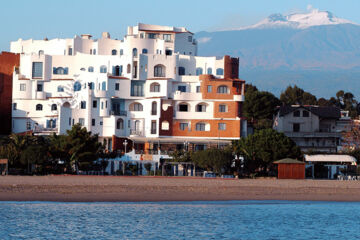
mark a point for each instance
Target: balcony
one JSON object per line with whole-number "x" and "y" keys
{"x": 313, "y": 134}
{"x": 178, "y": 95}
{"x": 39, "y": 129}
{"x": 137, "y": 133}
{"x": 119, "y": 113}
{"x": 239, "y": 98}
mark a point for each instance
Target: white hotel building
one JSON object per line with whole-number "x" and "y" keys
{"x": 149, "y": 88}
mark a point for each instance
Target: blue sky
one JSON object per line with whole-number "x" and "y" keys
{"x": 49, "y": 18}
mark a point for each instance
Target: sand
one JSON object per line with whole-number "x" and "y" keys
{"x": 139, "y": 189}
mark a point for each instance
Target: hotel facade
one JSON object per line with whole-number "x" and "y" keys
{"x": 150, "y": 89}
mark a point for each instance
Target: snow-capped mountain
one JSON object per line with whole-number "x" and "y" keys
{"x": 315, "y": 50}
{"x": 299, "y": 20}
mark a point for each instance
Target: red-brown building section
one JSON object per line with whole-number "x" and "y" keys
{"x": 7, "y": 63}
{"x": 291, "y": 170}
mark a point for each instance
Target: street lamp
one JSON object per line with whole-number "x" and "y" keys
{"x": 125, "y": 144}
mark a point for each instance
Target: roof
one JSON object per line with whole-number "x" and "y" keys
{"x": 321, "y": 111}
{"x": 288, "y": 161}
{"x": 330, "y": 158}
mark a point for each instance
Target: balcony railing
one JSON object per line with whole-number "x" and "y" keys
{"x": 136, "y": 132}
{"x": 38, "y": 129}
{"x": 119, "y": 113}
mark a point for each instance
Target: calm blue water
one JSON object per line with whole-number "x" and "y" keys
{"x": 193, "y": 220}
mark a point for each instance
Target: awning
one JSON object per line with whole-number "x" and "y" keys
{"x": 330, "y": 158}
{"x": 180, "y": 140}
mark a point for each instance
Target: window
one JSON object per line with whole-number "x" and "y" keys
{"x": 93, "y": 122}
{"x": 199, "y": 71}
{"x": 51, "y": 123}
{"x": 152, "y": 35}
{"x": 82, "y": 69}
{"x": 198, "y": 89}
{"x": 219, "y": 71}
{"x": 60, "y": 70}
{"x": 153, "y": 108}
{"x": 14, "y": 106}
{"x": 167, "y": 37}
{"x": 39, "y": 107}
{"x": 22, "y": 87}
{"x": 190, "y": 38}
{"x": 222, "y": 126}
{"x": 77, "y": 86}
{"x": 137, "y": 107}
{"x": 209, "y": 88}
{"x": 121, "y": 52}
{"x": 155, "y": 87}
{"x": 60, "y": 89}
{"x": 201, "y": 107}
{"x": 120, "y": 124}
{"x": 159, "y": 70}
{"x": 183, "y": 107}
{"x": 83, "y": 104}
{"x": 168, "y": 52}
{"x": 153, "y": 127}
{"x": 94, "y": 52}
{"x": 41, "y": 52}
{"x": 296, "y": 127}
{"x": 296, "y": 113}
{"x": 103, "y": 69}
{"x": 103, "y": 86}
{"x": 102, "y": 105}
{"x": 137, "y": 88}
{"x": 134, "y": 52}
{"x": 37, "y": 69}
{"x": 113, "y": 52}
{"x": 28, "y": 125}
{"x": 90, "y": 51}
{"x": 90, "y": 69}
{"x": 94, "y": 103}
{"x": 117, "y": 70}
{"x": 144, "y": 51}
{"x": 184, "y": 126}
{"x": 165, "y": 125}
{"x": 117, "y": 86}
{"x": 70, "y": 51}
{"x": 305, "y": 114}
{"x": 222, "y": 108}
{"x": 101, "y": 123}
{"x": 128, "y": 70}
{"x": 222, "y": 89}
{"x": 91, "y": 85}
{"x": 200, "y": 127}
{"x": 181, "y": 71}
{"x": 209, "y": 71}
{"x": 182, "y": 88}
{"x": 53, "y": 107}
{"x": 82, "y": 121}
{"x": 39, "y": 87}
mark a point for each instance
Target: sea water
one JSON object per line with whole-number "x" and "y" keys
{"x": 180, "y": 220}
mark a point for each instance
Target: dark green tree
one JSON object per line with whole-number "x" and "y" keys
{"x": 263, "y": 147}
{"x": 295, "y": 95}
{"x": 213, "y": 159}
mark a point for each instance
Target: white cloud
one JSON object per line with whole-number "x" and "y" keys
{"x": 204, "y": 39}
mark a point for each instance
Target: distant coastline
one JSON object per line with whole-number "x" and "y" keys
{"x": 144, "y": 189}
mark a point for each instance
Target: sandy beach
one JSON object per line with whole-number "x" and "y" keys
{"x": 135, "y": 189}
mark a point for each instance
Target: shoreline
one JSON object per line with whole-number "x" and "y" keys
{"x": 71, "y": 188}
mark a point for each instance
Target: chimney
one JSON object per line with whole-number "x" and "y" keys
{"x": 105, "y": 35}
{"x": 86, "y": 36}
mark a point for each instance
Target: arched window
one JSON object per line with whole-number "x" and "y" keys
{"x": 181, "y": 71}
{"x": 209, "y": 71}
{"x": 200, "y": 126}
{"x": 219, "y": 71}
{"x": 82, "y": 69}
{"x": 120, "y": 124}
{"x": 137, "y": 125}
{"x": 103, "y": 86}
{"x": 155, "y": 87}
{"x": 77, "y": 86}
{"x": 199, "y": 71}
{"x": 41, "y": 52}
{"x": 91, "y": 85}
{"x": 128, "y": 68}
{"x": 201, "y": 107}
{"x": 103, "y": 69}
{"x": 159, "y": 70}
{"x": 144, "y": 51}
{"x": 53, "y": 107}
{"x": 66, "y": 104}
{"x": 117, "y": 70}
{"x": 121, "y": 52}
{"x": 60, "y": 70}
{"x": 90, "y": 69}
{"x": 60, "y": 89}
{"x": 134, "y": 52}
{"x": 153, "y": 108}
{"x": 113, "y": 52}
{"x": 137, "y": 107}
{"x": 39, "y": 107}
{"x": 222, "y": 89}
{"x": 165, "y": 125}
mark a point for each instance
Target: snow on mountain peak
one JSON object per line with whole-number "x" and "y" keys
{"x": 299, "y": 20}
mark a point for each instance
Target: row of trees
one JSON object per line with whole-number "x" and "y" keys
{"x": 77, "y": 150}
{"x": 258, "y": 152}
{"x": 260, "y": 106}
